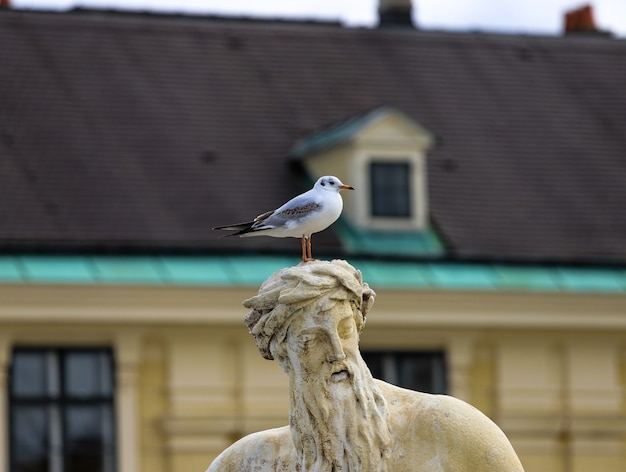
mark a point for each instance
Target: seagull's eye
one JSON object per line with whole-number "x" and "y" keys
{"x": 331, "y": 182}
{"x": 323, "y": 184}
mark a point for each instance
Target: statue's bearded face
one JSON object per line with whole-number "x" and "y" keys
{"x": 338, "y": 416}
{"x": 325, "y": 345}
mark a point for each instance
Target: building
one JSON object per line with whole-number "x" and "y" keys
{"x": 497, "y": 254}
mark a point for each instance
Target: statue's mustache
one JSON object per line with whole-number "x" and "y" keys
{"x": 340, "y": 372}
{"x": 335, "y": 372}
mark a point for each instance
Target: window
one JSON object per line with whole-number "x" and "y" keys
{"x": 61, "y": 410}
{"x": 421, "y": 371}
{"x": 390, "y": 189}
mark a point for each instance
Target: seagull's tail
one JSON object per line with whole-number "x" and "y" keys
{"x": 239, "y": 228}
{"x": 247, "y": 227}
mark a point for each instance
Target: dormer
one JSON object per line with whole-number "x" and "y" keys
{"x": 382, "y": 153}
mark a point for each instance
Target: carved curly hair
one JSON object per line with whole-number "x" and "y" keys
{"x": 307, "y": 286}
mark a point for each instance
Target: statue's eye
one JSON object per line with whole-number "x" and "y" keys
{"x": 305, "y": 339}
{"x": 346, "y": 329}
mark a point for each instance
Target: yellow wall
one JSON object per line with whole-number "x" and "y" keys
{"x": 549, "y": 368}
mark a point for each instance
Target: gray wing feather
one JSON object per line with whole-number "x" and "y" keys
{"x": 279, "y": 218}
{"x": 296, "y": 208}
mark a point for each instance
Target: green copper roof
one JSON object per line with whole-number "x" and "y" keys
{"x": 251, "y": 270}
{"x": 389, "y": 243}
{"x": 336, "y": 134}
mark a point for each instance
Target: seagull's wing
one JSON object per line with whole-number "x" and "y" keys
{"x": 295, "y": 209}
{"x": 286, "y": 214}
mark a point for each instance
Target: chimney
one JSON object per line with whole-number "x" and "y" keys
{"x": 395, "y": 13}
{"x": 581, "y": 20}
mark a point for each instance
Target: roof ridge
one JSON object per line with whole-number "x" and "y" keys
{"x": 154, "y": 14}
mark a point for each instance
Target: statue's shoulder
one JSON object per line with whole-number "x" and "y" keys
{"x": 264, "y": 450}
{"x": 430, "y": 420}
{"x": 426, "y": 408}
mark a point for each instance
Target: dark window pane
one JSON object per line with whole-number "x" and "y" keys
{"x": 420, "y": 371}
{"x": 89, "y": 433}
{"x": 29, "y": 374}
{"x": 374, "y": 362}
{"x": 390, "y": 189}
{"x": 86, "y": 421}
{"x": 439, "y": 376}
{"x": 29, "y": 439}
{"x": 87, "y": 374}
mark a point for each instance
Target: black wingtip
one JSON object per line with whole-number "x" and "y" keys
{"x": 236, "y": 227}
{"x": 239, "y": 228}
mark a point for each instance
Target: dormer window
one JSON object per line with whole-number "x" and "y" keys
{"x": 382, "y": 154}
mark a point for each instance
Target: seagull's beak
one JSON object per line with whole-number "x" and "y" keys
{"x": 346, "y": 187}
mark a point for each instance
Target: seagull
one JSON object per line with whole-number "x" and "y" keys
{"x": 308, "y": 213}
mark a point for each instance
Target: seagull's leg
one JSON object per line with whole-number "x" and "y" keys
{"x": 309, "y": 251}
{"x": 306, "y": 249}
{"x": 303, "y": 248}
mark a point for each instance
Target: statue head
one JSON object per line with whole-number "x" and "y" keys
{"x": 309, "y": 318}
{"x": 308, "y": 288}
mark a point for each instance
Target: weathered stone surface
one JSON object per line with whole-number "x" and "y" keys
{"x": 308, "y": 318}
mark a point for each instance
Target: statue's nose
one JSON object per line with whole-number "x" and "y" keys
{"x": 335, "y": 352}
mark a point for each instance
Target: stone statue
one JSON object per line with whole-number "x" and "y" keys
{"x": 308, "y": 318}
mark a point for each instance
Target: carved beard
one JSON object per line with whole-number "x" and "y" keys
{"x": 341, "y": 424}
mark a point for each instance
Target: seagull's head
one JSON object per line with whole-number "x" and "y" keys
{"x": 329, "y": 182}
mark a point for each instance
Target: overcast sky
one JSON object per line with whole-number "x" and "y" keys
{"x": 511, "y": 16}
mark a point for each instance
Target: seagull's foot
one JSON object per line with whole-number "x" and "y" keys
{"x": 309, "y": 259}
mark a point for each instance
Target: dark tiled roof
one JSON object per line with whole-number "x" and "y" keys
{"x": 140, "y": 131}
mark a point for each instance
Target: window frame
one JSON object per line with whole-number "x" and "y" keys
{"x": 406, "y": 197}
{"x": 62, "y": 402}
{"x": 416, "y": 161}
{"x": 391, "y": 358}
